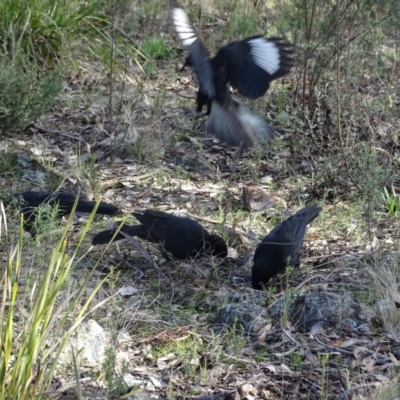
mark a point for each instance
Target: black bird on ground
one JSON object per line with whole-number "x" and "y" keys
{"x": 29, "y": 201}
{"x": 249, "y": 65}
{"x": 179, "y": 236}
{"x": 281, "y": 246}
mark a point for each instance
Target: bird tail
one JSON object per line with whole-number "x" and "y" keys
{"x": 310, "y": 212}
{"x": 237, "y": 125}
{"x": 106, "y": 236}
{"x": 87, "y": 206}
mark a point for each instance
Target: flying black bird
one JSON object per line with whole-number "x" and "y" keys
{"x": 31, "y": 200}
{"x": 249, "y": 65}
{"x": 281, "y": 246}
{"x": 181, "y": 237}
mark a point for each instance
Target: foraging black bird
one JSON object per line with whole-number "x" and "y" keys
{"x": 31, "y": 200}
{"x": 281, "y": 246}
{"x": 249, "y": 65}
{"x": 180, "y": 236}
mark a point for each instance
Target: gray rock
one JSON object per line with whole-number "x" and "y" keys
{"x": 332, "y": 310}
{"x": 89, "y": 344}
{"x": 384, "y": 308}
{"x": 246, "y": 316}
{"x": 131, "y": 381}
{"x": 141, "y": 394}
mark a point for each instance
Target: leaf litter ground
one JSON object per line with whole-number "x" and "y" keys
{"x": 156, "y": 154}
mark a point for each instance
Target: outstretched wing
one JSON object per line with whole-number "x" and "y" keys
{"x": 251, "y": 64}
{"x": 198, "y": 55}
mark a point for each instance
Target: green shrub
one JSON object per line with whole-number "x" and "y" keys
{"x": 25, "y": 93}
{"x": 326, "y": 36}
{"x": 42, "y": 27}
{"x": 157, "y": 48}
{"x": 33, "y": 340}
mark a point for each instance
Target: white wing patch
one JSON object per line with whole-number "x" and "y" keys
{"x": 183, "y": 26}
{"x": 266, "y": 54}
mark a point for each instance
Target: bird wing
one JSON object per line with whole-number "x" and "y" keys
{"x": 288, "y": 231}
{"x": 65, "y": 202}
{"x": 165, "y": 225}
{"x": 34, "y": 199}
{"x": 291, "y": 231}
{"x": 251, "y": 64}
{"x": 180, "y": 236}
{"x": 198, "y": 55}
